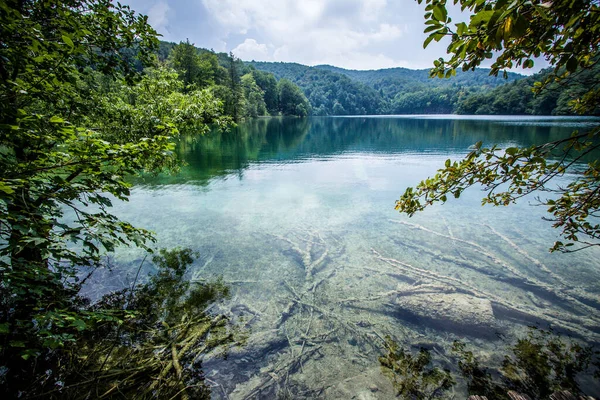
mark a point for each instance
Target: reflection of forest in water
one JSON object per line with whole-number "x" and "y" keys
{"x": 294, "y": 139}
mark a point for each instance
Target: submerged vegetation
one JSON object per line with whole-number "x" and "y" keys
{"x": 537, "y": 366}
{"x": 412, "y": 375}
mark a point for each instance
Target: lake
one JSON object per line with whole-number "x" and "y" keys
{"x": 297, "y": 215}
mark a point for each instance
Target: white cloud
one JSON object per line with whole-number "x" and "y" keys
{"x": 388, "y": 32}
{"x": 252, "y": 50}
{"x": 346, "y": 33}
{"x": 339, "y": 32}
{"x": 158, "y": 16}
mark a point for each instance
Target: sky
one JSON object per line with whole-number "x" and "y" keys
{"x": 353, "y": 34}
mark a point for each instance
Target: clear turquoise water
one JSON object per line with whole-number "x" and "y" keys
{"x": 298, "y": 216}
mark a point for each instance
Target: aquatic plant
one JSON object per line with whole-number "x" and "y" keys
{"x": 538, "y": 365}
{"x": 412, "y": 375}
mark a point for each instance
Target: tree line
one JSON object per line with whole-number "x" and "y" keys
{"x": 245, "y": 91}
{"x": 337, "y": 91}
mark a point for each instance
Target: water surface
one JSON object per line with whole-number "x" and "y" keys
{"x": 297, "y": 215}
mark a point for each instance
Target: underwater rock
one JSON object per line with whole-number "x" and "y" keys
{"x": 369, "y": 385}
{"x": 450, "y": 311}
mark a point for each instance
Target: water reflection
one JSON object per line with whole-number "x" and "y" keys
{"x": 284, "y": 140}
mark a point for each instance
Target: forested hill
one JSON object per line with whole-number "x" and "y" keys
{"x": 277, "y": 88}
{"x": 376, "y": 78}
{"x": 337, "y": 91}
{"x": 329, "y": 93}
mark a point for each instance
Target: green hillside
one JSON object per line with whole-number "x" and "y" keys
{"x": 337, "y": 91}
{"x": 375, "y": 78}
{"x": 329, "y": 93}
{"x": 330, "y": 90}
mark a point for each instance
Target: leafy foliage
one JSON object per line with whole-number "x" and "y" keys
{"x": 76, "y": 119}
{"x": 291, "y": 99}
{"x": 153, "y": 346}
{"x": 411, "y": 375}
{"x": 564, "y": 32}
{"x": 519, "y": 31}
{"x": 520, "y": 172}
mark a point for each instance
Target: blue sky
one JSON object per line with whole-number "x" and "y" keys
{"x": 355, "y": 34}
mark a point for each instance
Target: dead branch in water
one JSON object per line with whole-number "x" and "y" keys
{"x": 561, "y": 320}
{"x": 562, "y": 293}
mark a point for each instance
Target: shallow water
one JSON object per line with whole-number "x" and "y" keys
{"x": 298, "y": 216}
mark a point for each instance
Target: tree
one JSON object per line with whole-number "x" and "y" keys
{"x": 255, "y": 103}
{"x": 567, "y": 34}
{"x": 210, "y": 70}
{"x": 233, "y": 93}
{"x": 66, "y": 151}
{"x": 185, "y": 59}
{"x": 291, "y": 99}
{"x": 196, "y": 69}
{"x": 268, "y": 85}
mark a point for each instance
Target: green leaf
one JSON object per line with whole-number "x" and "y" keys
{"x": 427, "y": 41}
{"x": 461, "y": 28}
{"x": 5, "y": 188}
{"x": 431, "y": 28}
{"x": 4, "y": 328}
{"x": 67, "y": 40}
{"x": 439, "y": 12}
{"x": 572, "y": 64}
{"x": 482, "y": 17}
{"x": 79, "y": 324}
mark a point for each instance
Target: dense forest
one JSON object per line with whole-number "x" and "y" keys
{"x": 245, "y": 92}
{"x": 338, "y": 91}
{"x": 251, "y": 89}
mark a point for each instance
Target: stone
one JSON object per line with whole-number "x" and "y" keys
{"x": 450, "y": 311}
